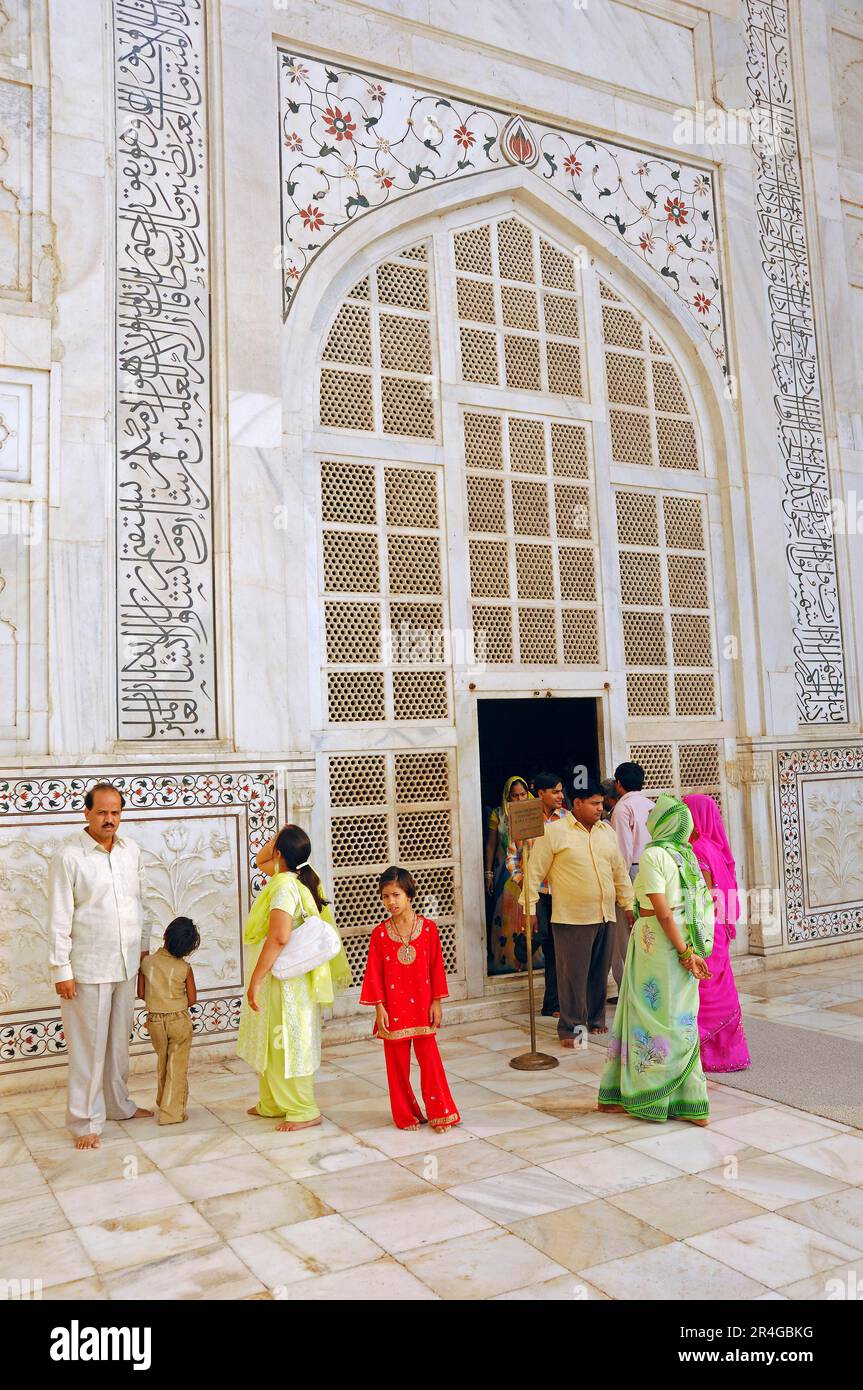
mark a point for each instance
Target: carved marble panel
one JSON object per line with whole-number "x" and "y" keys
{"x": 16, "y": 411}
{"x": 16, "y": 188}
{"x": 199, "y": 833}
{"x": 821, "y": 817}
{"x": 833, "y": 835}
{"x": 847, "y": 63}
{"x": 810, "y": 553}
{"x": 15, "y": 18}
{"x": 167, "y": 682}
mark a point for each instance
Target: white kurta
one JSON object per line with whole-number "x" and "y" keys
{"x": 95, "y": 926}
{"x": 95, "y": 911}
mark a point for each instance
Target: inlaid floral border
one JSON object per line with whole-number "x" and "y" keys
{"x": 40, "y": 1034}
{"x": 351, "y": 142}
{"x": 794, "y": 765}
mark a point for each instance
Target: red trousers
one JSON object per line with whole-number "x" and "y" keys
{"x": 440, "y": 1106}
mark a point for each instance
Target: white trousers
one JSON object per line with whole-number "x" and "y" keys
{"x": 97, "y": 1024}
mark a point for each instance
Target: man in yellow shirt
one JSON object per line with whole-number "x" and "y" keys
{"x": 581, "y": 860}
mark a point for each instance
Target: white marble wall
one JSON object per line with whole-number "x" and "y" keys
{"x": 621, "y": 71}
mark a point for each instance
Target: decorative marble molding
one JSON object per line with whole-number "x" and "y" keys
{"x": 351, "y": 142}
{"x": 749, "y": 766}
{"x": 822, "y": 829}
{"x": 199, "y": 833}
{"x": 810, "y": 551}
{"x": 166, "y": 625}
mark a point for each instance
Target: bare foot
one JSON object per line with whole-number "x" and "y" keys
{"x": 702, "y": 1124}
{"x": 141, "y": 1114}
{"x": 611, "y": 1109}
{"x": 87, "y": 1141}
{"x": 442, "y": 1129}
{"x": 298, "y": 1124}
{"x": 257, "y": 1114}
{"x": 567, "y": 1042}
{"x": 408, "y": 1129}
{"x": 597, "y": 1030}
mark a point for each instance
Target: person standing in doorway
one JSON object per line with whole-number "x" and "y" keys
{"x": 506, "y": 949}
{"x": 96, "y": 918}
{"x": 610, "y": 796}
{"x": 580, "y": 860}
{"x": 548, "y": 789}
{"x": 629, "y": 822}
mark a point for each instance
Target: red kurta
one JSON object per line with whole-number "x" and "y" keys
{"x": 406, "y": 991}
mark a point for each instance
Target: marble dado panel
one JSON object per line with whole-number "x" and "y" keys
{"x": 351, "y": 142}
{"x": 165, "y": 582}
{"x": 199, "y": 833}
{"x": 16, "y": 189}
{"x": 23, "y": 558}
{"x": 821, "y": 818}
{"x": 819, "y": 662}
{"x": 847, "y": 64}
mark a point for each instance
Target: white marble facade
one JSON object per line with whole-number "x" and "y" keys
{"x": 160, "y": 612}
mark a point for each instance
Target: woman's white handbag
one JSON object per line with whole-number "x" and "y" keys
{"x": 312, "y": 943}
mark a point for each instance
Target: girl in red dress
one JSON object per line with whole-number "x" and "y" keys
{"x": 405, "y": 980}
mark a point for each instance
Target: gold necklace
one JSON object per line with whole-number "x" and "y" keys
{"x": 406, "y": 954}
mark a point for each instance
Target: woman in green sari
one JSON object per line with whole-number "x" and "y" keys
{"x": 654, "y": 1066}
{"x": 280, "y": 1021}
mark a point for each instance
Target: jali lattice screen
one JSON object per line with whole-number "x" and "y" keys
{"x": 393, "y": 808}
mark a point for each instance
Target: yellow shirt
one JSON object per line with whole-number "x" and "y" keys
{"x": 585, "y": 870}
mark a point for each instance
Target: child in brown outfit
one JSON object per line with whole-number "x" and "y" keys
{"x": 167, "y": 985}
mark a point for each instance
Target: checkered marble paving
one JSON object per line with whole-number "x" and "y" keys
{"x": 535, "y": 1196}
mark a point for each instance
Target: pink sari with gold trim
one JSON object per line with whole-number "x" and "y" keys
{"x": 720, "y": 1022}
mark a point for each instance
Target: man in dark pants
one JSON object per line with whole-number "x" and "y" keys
{"x": 580, "y": 858}
{"x": 548, "y": 789}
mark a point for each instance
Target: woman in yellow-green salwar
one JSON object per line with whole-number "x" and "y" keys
{"x": 280, "y": 1021}
{"x": 654, "y": 1065}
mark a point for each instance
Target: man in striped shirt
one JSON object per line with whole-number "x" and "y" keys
{"x": 548, "y": 789}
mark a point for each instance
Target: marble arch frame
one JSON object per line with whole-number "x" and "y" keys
{"x": 371, "y": 239}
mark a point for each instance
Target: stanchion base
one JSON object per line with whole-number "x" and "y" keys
{"x": 534, "y": 1061}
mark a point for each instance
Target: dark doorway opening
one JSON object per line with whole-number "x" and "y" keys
{"x": 521, "y": 738}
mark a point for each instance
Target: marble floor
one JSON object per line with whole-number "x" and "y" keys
{"x": 535, "y": 1196}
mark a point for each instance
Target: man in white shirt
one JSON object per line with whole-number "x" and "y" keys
{"x": 95, "y": 925}
{"x": 629, "y": 822}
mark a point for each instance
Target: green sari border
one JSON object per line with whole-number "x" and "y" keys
{"x": 611, "y": 1096}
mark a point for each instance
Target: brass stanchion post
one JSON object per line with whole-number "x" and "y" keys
{"x": 533, "y": 1060}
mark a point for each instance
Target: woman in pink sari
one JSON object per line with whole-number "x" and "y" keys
{"x": 720, "y": 1025}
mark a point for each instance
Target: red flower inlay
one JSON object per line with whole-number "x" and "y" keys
{"x": 339, "y": 124}
{"x": 463, "y": 137}
{"x": 571, "y": 165}
{"x": 702, "y": 303}
{"x": 675, "y": 211}
{"x": 313, "y": 218}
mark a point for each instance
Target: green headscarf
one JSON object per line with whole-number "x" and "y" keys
{"x": 670, "y": 825}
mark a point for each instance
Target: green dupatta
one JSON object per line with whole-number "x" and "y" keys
{"x": 670, "y": 825}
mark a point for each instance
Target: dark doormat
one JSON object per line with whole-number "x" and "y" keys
{"x": 812, "y": 1071}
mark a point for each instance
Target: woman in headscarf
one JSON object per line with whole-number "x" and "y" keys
{"x": 280, "y": 1020}
{"x": 507, "y": 948}
{"x": 720, "y": 1023}
{"x": 654, "y": 1068}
